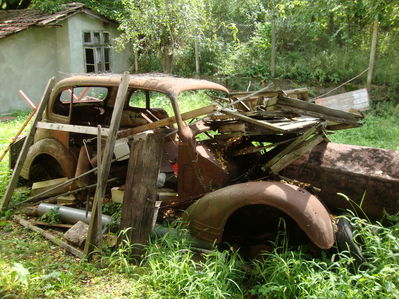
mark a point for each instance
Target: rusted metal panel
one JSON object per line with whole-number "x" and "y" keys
{"x": 355, "y": 171}
{"x": 207, "y": 216}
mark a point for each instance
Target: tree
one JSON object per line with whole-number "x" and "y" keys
{"x": 163, "y": 26}
{"x": 14, "y": 4}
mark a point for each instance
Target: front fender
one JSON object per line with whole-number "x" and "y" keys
{"x": 207, "y": 216}
{"x": 53, "y": 148}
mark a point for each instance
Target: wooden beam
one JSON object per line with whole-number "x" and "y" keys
{"x": 25, "y": 148}
{"x": 305, "y": 108}
{"x": 19, "y": 133}
{"x": 167, "y": 121}
{"x": 304, "y": 147}
{"x": 76, "y": 252}
{"x": 291, "y": 147}
{"x": 72, "y": 128}
{"x": 121, "y": 98}
{"x": 141, "y": 190}
{"x": 261, "y": 123}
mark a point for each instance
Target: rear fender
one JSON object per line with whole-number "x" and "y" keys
{"x": 207, "y": 217}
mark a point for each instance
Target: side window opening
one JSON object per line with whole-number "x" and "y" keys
{"x": 144, "y": 107}
{"x": 87, "y": 105}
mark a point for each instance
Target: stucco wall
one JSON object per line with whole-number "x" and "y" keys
{"x": 79, "y": 23}
{"x": 25, "y": 63}
{"x": 29, "y": 58}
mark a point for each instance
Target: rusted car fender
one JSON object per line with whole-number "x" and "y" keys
{"x": 56, "y": 150}
{"x": 207, "y": 217}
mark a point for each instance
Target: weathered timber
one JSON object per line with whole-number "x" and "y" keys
{"x": 76, "y": 252}
{"x": 72, "y": 128}
{"x": 167, "y": 121}
{"x": 348, "y": 101}
{"x": 305, "y": 108}
{"x": 25, "y": 148}
{"x": 59, "y": 225}
{"x": 292, "y": 146}
{"x": 302, "y": 149}
{"x": 121, "y": 98}
{"x": 260, "y": 123}
{"x": 141, "y": 190}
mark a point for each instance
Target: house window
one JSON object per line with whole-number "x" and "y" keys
{"x": 97, "y": 51}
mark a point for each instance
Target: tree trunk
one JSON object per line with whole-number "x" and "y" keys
{"x": 372, "y": 53}
{"x": 273, "y": 56}
{"x": 167, "y": 59}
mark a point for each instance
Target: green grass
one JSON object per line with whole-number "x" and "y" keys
{"x": 31, "y": 267}
{"x": 380, "y": 129}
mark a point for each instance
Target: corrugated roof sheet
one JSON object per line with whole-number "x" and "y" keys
{"x": 13, "y": 21}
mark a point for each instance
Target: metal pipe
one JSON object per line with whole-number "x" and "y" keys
{"x": 71, "y": 215}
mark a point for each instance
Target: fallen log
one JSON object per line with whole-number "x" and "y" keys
{"x": 76, "y": 252}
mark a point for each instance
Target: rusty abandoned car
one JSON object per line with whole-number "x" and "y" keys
{"x": 230, "y": 170}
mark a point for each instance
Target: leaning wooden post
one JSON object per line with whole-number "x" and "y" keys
{"x": 141, "y": 190}
{"x": 92, "y": 234}
{"x": 25, "y": 148}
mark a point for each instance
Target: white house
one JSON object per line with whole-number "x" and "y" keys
{"x": 35, "y": 46}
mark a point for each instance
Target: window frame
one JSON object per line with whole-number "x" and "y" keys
{"x": 99, "y": 49}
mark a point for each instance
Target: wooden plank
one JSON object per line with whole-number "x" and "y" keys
{"x": 76, "y": 252}
{"x": 291, "y": 146}
{"x": 18, "y": 133}
{"x": 25, "y": 148}
{"x": 72, "y": 128}
{"x": 167, "y": 121}
{"x": 261, "y": 123}
{"x": 308, "y": 108}
{"x": 353, "y": 100}
{"x": 141, "y": 190}
{"x": 296, "y": 125}
{"x": 304, "y": 147}
{"x": 300, "y": 111}
{"x": 121, "y": 98}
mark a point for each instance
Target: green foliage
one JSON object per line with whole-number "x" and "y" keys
{"x": 162, "y": 26}
{"x": 52, "y": 216}
{"x": 108, "y": 8}
{"x": 287, "y": 274}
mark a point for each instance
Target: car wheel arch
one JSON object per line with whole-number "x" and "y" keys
{"x": 208, "y": 216}
{"x": 53, "y": 148}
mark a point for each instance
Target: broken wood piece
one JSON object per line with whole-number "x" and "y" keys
{"x": 76, "y": 252}
{"x": 292, "y": 146}
{"x": 261, "y": 123}
{"x": 25, "y": 148}
{"x": 72, "y": 128}
{"x": 304, "y": 148}
{"x": 304, "y": 108}
{"x": 39, "y": 187}
{"x": 77, "y": 234}
{"x": 66, "y": 200}
{"x": 140, "y": 193}
{"x": 58, "y": 225}
{"x": 167, "y": 121}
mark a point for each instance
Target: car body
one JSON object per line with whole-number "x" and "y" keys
{"x": 216, "y": 180}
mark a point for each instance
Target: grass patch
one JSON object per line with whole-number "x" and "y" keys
{"x": 380, "y": 129}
